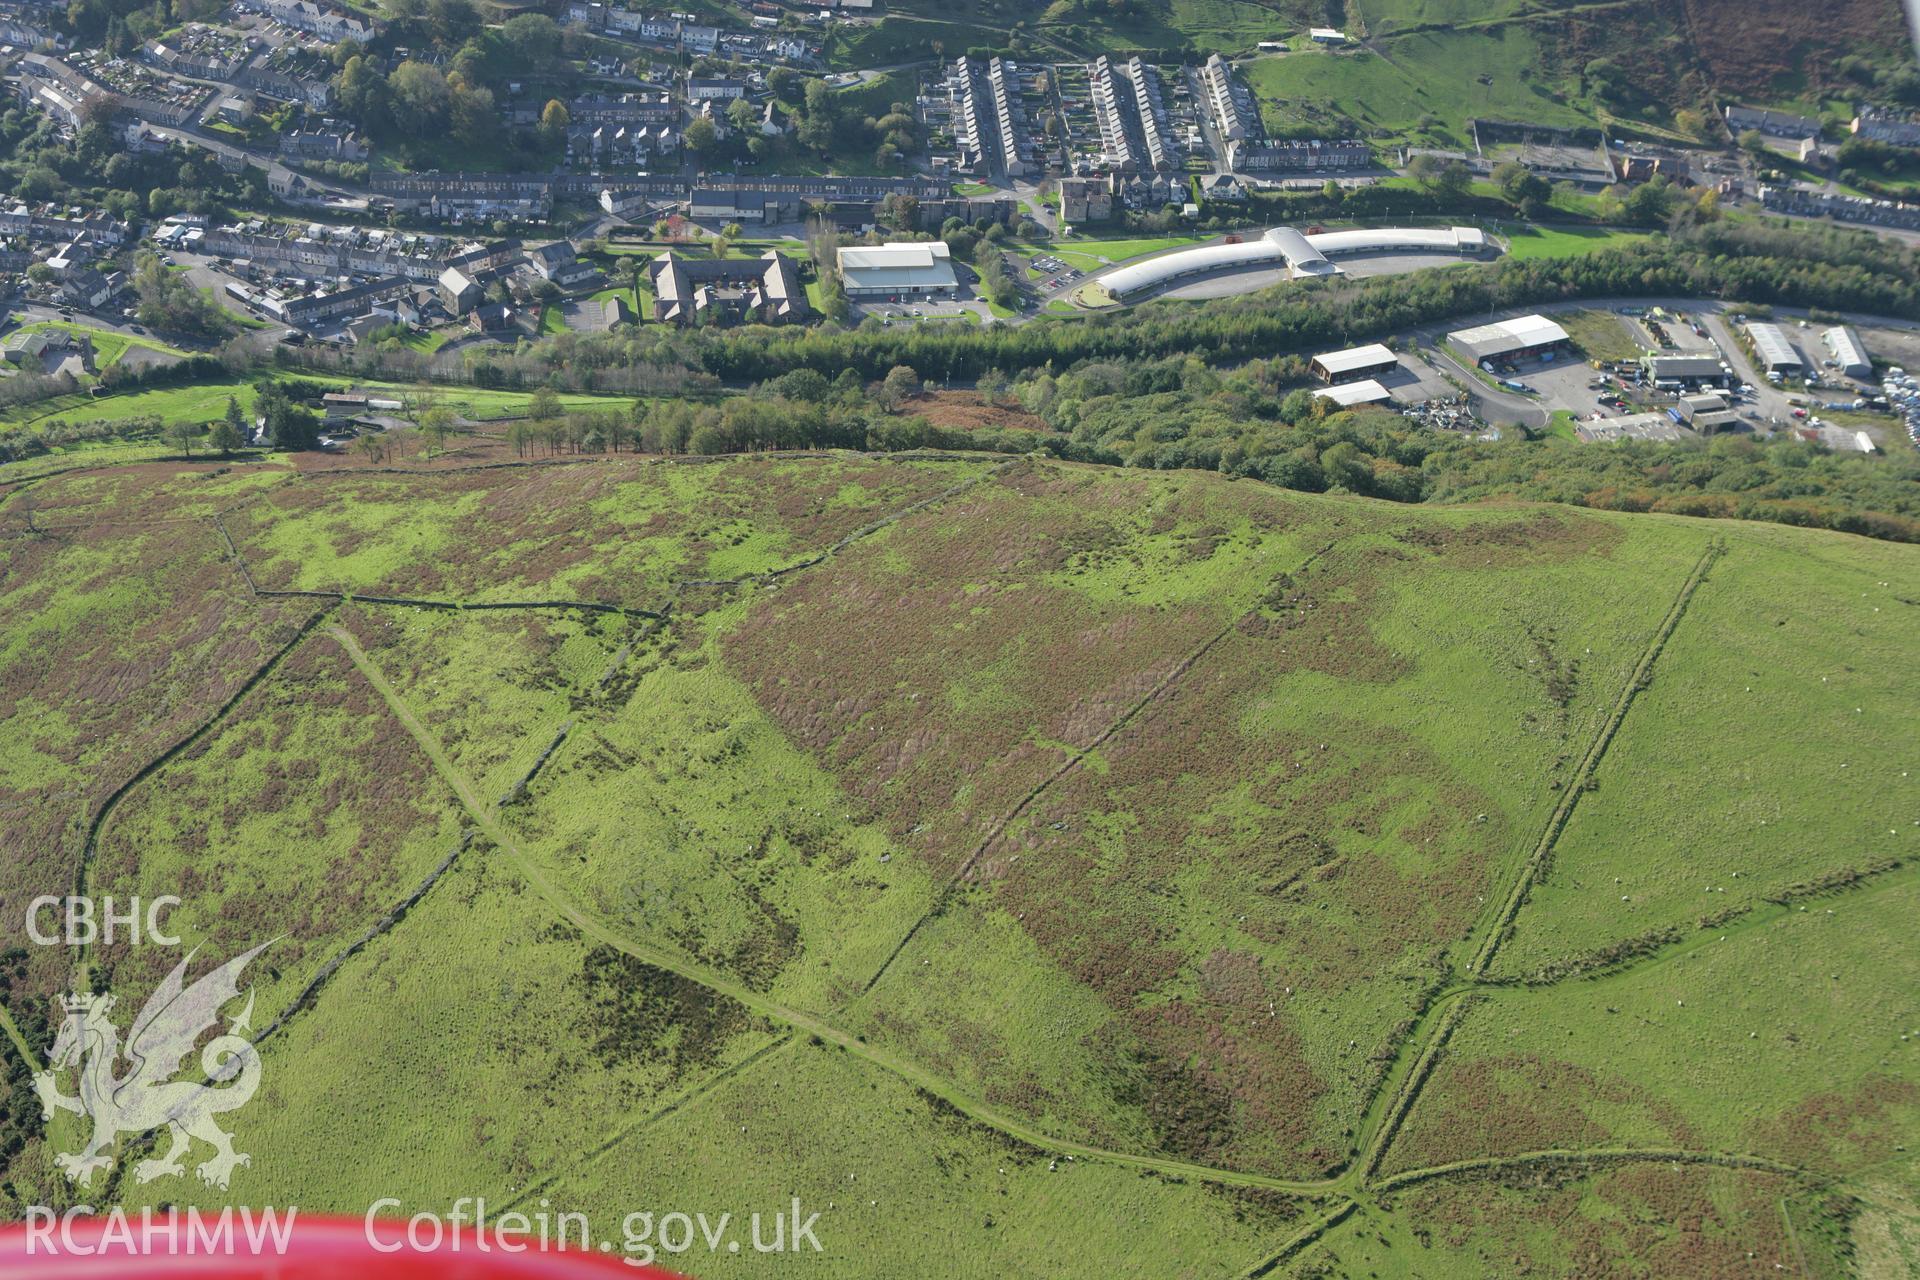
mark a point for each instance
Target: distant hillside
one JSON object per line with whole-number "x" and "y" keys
{"x": 1548, "y": 61}
{"x": 1790, "y": 48}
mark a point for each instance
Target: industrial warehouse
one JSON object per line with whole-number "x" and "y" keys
{"x": 1677, "y": 370}
{"x": 1517, "y": 339}
{"x": 1350, "y": 395}
{"x": 897, "y": 270}
{"x": 1848, "y": 352}
{"x": 1774, "y": 351}
{"x": 1304, "y": 255}
{"x": 1354, "y": 364}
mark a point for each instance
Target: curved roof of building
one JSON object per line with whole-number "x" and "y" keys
{"x": 1305, "y": 254}
{"x": 1186, "y": 262}
{"x": 1399, "y": 240}
{"x": 1299, "y": 251}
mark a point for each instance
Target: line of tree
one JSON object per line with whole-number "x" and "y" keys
{"x": 1220, "y": 386}
{"x": 1259, "y": 422}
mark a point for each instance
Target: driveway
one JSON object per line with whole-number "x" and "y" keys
{"x": 1494, "y": 406}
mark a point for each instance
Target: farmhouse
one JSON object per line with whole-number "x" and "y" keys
{"x": 897, "y": 270}
{"x": 1775, "y": 352}
{"x": 340, "y": 406}
{"x": 1510, "y": 339}
{"x": 1354, "y": 364}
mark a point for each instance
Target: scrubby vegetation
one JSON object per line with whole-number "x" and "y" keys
{"x": 1123, "y": 843}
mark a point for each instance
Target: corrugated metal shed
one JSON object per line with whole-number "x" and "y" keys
{"x": 1775, "y": 351}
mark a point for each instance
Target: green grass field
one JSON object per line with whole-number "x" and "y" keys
{"x": 307, "y": 793}
{"x": 1423, "y": 86}
{"x": 205, "y": 401}
{"x": 1599, "y": 334}
{"x": 1806, "y": 644}
{"x": 899, "y": 37}
{"x": 109, "y": 345}
{"x": 1061, "y": 869}
{"x": 201, "y": 402}
{"x": 1566, "y": 242}
{"x": 1120, "y": 250}
{"x": 1225, "y": 25}
{"x": 620, "y": 532}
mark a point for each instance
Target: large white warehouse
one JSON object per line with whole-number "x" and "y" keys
{"x": 1303, "y": 255}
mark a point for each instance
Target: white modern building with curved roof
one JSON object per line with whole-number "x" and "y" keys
{"x": 1302, "y": 254}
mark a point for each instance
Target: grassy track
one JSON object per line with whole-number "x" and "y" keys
{"x": 1503, "y": 921}
{"x": 483, "y": 816}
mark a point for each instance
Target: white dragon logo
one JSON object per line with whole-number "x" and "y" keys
{"x": 146, "y": 1097}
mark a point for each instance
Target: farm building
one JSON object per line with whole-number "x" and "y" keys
{"x": 1848, "y": 351}
{"x": 1694, "y": 369}
{"x": 1510, "y": 339}
{"x": 897, "y": 270}
{"x": 1353, "y": 364}
{"x": 1775, "y": 351}
{"x": 1349, "y": 394}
